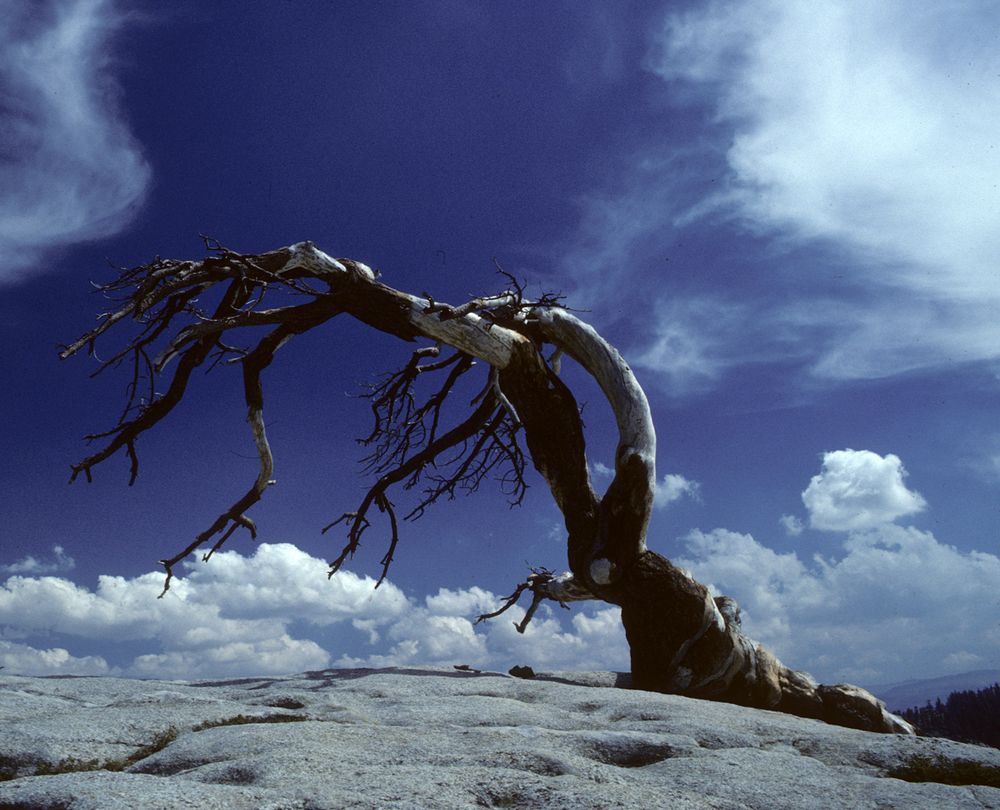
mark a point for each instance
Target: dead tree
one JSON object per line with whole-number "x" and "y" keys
{"x": 682, "y": 640}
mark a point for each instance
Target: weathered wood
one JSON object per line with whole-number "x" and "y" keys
{"x": 578, "y": 339}
{"x": 554, "y": 435}
{"x": 681, "y": 638}
{"x": 397, "y": 312}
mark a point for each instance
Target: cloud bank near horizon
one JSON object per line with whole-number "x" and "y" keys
{"x": 891, "y": 602}
{"x": 898, "y": 604}
{"x": 262, "y": 614}
{"x": 70, "y": 171}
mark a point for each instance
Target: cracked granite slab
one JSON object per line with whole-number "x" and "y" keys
{"x": 440, "y": 738}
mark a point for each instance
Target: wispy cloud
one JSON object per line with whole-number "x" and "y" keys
{"x": 869, "y": 123}
{"x": 792, "y": 525}
{"x": 851, "y": 147}
{"x": 870, "y": 127}
{"x": 694, "y": 343}
{"x": 70, "y": 171}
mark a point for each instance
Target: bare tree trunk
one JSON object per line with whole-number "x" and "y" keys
{"x": 681, "y": 639}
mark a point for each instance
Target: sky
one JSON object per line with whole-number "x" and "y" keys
{"x": 783, "y": 213}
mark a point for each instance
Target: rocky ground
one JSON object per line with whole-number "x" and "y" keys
{"x": 435, "y": 738}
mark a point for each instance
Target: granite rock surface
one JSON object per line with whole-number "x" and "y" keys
{"x": 440, "y": 738}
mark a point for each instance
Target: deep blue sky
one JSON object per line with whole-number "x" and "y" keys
{"x": 783, "y": 216}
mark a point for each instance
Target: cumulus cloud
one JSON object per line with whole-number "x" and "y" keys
{"x": 229, "y": 617}
{"x": 673, "y": 487}
{"x": 442, "y": 631}
{"x": 70, "y": 169}
{"x": 279, "y": 581}
{"x": 275, "y": 612}
{"x": 20, "y": 658}
{"x": 31, "y": 565}
{"x": 869, "y": 126}
{"x": 859, "y": 489}
{"x": 267, "y": 656}
{"x": 897, "y": 602}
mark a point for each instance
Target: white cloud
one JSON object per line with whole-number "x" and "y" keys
{"x": 272, "y": 613}
{"x": 267, "y": 656}
{"x": 228, "y": 617}
{"x": 70, "y": 169}
{"x": 898, "y": 602}
{"x": 792, "y": 525}
{"x": 469, "y": 602}
{"x": 442, "y": 631}
{"x": 859, "y": 489}
{"x": 691, "y": 348}
{"x": 673, "y": 487}
{"x": 601, "y": 470}
{"x": 20, "y": 658}
{"x": 31, "y": 565}
{"x": 282, "y": 581}
{"x": 869, "y": 126}
{"x": 762, "y": 580}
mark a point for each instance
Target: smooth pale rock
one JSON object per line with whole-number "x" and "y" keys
{"x": 440, "y": 738}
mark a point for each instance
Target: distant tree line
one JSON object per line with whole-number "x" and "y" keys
{"x": 970, "y": 716}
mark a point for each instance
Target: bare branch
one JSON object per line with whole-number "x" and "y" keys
{"x": 496, "y": 446}
{"x": 502, "y": 397}
{"x": 408, "y": 467}
{"x": 509, "y": 602}
{"x": 543, "y": 585}
{"x": 226, "y": 523}
{"x": 125, "y": 433}
{"x": 162, "y": 296}
{"x": 680, "y": 638}
{"x": 398, "y": 421}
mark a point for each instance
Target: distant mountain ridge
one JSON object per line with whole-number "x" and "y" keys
{"x": 910, "y": 694}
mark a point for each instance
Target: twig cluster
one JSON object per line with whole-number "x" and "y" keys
{"x": 162, "y": 296}
{"x": 507, "y": 308}
{"x": 408, "y": 446}
{"x": 408, "y": 443}
{"x": 536, "y": 582}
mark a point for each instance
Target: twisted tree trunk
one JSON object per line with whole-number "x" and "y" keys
{"x": 682, "y": 640}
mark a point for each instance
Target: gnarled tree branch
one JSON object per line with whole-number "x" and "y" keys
{"x": 682, "y": 640}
